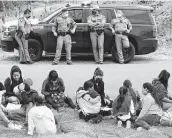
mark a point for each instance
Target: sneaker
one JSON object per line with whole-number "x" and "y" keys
{"x": 11, "y": 125}
{"x": 139, "y": 128}
{"x": 128, "y": 124}
{"x": 101, "y": 62}
{"x": 22, "y": 62}
{"x": 119, "y": 123}
{"x": 69, "y": 62}
{"x": 55, "y": 63}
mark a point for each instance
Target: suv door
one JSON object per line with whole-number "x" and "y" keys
{"x": 109, "y": 14}
{"x": 77, "y": 38}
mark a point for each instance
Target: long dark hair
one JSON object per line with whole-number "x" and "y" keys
{"x": 122, "y": 93}
{"x": 164, "y": 77}
{"x": 152, "y": 91}
{"x": 53, "y": 75}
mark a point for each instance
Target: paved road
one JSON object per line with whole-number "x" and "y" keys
{"x": 139, "y": 71}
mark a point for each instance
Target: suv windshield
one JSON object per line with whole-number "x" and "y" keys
{"x": 51, "y": 15}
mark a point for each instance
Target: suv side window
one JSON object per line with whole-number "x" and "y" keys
{"x": 76, "y": 15}
{"x": 138, "y": 16}
{"x": 106, "y": 12}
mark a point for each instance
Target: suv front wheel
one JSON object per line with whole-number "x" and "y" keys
{"x": 35, "y": 49}
{"x": 128, "y": 53}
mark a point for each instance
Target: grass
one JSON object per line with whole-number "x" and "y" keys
{"x": 71, "y": 127}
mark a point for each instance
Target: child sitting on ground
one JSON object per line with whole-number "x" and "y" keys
{"x": 134, "y": 95}
{"x": 89, "y": 103}
{"x": 123, "y": 108}
{"x": 151, "y": 112}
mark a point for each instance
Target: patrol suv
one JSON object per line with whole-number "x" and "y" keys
{"x": 142, "y": 37}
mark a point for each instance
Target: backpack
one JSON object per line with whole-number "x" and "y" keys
{"x": 166, "y": 119}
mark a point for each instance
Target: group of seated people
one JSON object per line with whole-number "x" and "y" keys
{"x": 18, "y": 99}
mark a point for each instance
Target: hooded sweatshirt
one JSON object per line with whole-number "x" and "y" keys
{"x": 41, "y": 119}
{"x": 160, "y": 89}
{"x": 10, "y": 83}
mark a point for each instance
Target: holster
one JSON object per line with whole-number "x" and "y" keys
{"x": 19, "y": 33}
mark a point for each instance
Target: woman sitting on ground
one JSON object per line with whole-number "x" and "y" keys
{"x": 151, "y": 112}
{"x": 89, "y": 103}
{"x": 123, "y": 108}
{"x": 11, "y": 82}
{"x": 53, "y": 89}
{"x": 134, "y": 95}
{"x": 161, "y": 88}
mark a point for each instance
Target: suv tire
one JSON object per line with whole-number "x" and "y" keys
{"x": 35, "y": 49}
{"x": 127, "y": 52}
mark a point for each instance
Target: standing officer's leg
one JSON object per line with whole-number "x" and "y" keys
{"x": 68, "y": 47}
{"x": 118, "y": 41}
{"x": 58, "y": 50}
{"x": 25, "y": 46}
{"x": 21, "y": 49}
{"x": 101, "y": 47}
{"x": 93, "y": 37}
{"x": 125, "y": 41}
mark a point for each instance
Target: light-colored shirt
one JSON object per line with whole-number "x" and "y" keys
{"x": 41, "y": 119}
{"x": 63, "y": 24}
{"x": 150, "y": 106}
{"x": 92, "y": 19}
{"x": 121, "y": 25}
{"x": 24, "y": 25}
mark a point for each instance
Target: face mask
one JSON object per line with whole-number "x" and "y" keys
{"x": 94, "y": 12}
{"x": 118, "y": 15}
{"x": 98, "y": 80}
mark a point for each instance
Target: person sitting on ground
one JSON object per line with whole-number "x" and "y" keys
{"x": 11, "y": 82}
{"x": 41, "y": 119}
{"x": 151, "y": 112}
{"x": 4, "y": 112}
{"x": 161, "y": 88}
{"x": 134, "y": 95}
{"x": 27, "y": 96}
{"x": 123, "y": 108}
{"x": 99, "y": 87}
{"x": 89, "y": 103}
{"x": 53, "y": 89}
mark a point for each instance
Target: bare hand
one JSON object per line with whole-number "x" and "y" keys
{"x": 127, "y": 31}
{"x": 72, "y": 31}
{"x": 55, "y": 34}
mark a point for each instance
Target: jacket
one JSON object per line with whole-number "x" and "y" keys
{"x": 10, "y": 83}
{"x": 48, "y": 88}
{"x": 41, "y": 119}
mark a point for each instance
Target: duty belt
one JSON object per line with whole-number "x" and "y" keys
{"x": 123, "y": 33}
{"x": 63, "y": 33}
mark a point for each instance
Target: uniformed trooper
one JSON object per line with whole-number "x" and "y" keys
{"x": 63, "y": 27}
{"x": 22, "y": 34}
{"x": 120, "y": 27}
{"x": 96, "y": 22}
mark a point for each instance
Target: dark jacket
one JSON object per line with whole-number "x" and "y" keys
{"x": 99, "y": 88}
{"x": 125, "y": 107}
{"x": 10, "y": 83}
{"x": 48, "y": 88}
{"x": 27, "y": 97}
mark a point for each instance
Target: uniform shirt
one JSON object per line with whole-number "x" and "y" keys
{"x": 96, "y": 19}
{"x": 121, "y": 25}
{"x": 24, "y": 25}
{"x": 63, "y": 24}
